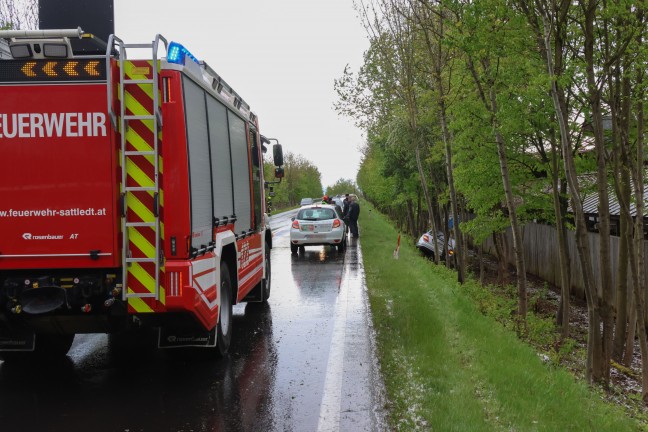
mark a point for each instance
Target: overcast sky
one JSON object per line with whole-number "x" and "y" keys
{"x": 281, "y": 56}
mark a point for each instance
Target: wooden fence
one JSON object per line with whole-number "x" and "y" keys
{"x": 543, "y": 260}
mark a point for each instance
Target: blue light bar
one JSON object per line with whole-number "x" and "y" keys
{"x": 177, "y": 54}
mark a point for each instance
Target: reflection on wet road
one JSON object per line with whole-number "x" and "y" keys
{"x": 304, "y": 362}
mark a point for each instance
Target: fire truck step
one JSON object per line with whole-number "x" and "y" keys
{"x": 138, "y": 81}
{"x": 139, "y": 117}
{"x": 139, "y": 295}
{"x": 141, "y": 260}
{"x": 141, "y": 224}
{"x": 140, "y": 153}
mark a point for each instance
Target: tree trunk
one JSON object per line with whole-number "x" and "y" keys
{"x": 582, "y": 242}
{"x": 447, "y": 141}
{"x": 482, "y": 265}
{"x": 628, "y": 353}
{"x": 518, "y": 248}
{"x": 624, "y": 193}
{"x": 502, "y": 258}
{"x": 489, "y": 99}
{"x": 640, "y": 288}
{"x": 428, "y": 200}
{"x": 606, "y": 299}
{"x": 411, "y": 226}
{"x": 562, "y": 318}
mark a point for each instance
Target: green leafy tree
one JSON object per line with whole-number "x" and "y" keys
{"x": 301, "y": 179}
{"x": 341, "y": 187}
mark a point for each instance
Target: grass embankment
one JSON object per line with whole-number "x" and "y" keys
{"x": 447, "y": 367}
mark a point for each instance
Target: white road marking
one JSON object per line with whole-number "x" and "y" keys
{"x": 329, "y": 419}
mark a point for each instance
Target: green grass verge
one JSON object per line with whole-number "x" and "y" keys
{"x": 448, "y": 367}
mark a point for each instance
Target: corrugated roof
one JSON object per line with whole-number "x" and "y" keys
{"x": 590, "y": 199}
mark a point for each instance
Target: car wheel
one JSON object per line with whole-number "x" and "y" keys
{"x": 293, "y": 248}
{"x": 224, "y": 327}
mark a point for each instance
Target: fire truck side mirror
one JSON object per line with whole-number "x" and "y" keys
{"x": 277, "y": 156}
{"x": 279, "y": 172}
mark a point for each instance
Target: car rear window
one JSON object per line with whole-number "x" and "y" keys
{"x": 315, "y": 214}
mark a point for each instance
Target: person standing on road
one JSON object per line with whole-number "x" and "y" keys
{"x": 353, "y": 214}
{"x": 345, "y": 205}
{"x": 345, "y": 212}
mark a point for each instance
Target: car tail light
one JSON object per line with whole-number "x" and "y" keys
{"x": 426, "y": 239}
{"x": 295, "y": 224}
{"x": 336, "y": 223}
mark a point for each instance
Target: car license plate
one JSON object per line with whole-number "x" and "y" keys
{"x": 310, "y": 228}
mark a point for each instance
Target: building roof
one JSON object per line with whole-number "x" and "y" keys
{"x": 591, "y": 197}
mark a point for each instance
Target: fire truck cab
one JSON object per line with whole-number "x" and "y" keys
{"x": 132, "y": 196}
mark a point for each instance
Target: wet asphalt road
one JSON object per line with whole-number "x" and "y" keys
{"x": 304, "y": 362}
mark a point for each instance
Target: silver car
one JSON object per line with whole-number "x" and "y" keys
{"x": 306, "y": 201}
{"x": 426, "y": 245}
{"x": 317, "y": 224}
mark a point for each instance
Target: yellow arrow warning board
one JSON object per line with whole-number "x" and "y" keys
{"x": 70, "y": 68}
{"x": 49, "y": 69}
{"x": 28, "y": 69}
{"x": 91, "y": 68}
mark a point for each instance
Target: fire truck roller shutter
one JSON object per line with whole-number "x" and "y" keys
{"x": 221, "y": 158}
{"x": 199, "y": 164}
{"x": 240, "y": 160}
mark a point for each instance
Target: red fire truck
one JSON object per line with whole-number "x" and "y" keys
{"x": 131, "y": 196}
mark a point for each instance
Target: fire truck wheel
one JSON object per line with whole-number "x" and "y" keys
{"x": 266, "y": 283}
{"x": 224, "y": 328}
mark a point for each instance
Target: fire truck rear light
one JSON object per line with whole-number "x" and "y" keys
{"x": 21, "y": 51}
{"x": 175, "y": 284}
{"x": 55, "y": 50}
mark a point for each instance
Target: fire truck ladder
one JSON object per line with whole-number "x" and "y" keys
{"x": 140, "y": 213}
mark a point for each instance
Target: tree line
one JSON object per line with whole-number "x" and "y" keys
{"x": 501, "y": 112}
{"x": 301, "y": 179}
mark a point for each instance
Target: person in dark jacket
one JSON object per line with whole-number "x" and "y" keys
{"x": 345, "y": 205}
{"x": 352, "y": 215}
{"x": 345, "y": 211}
